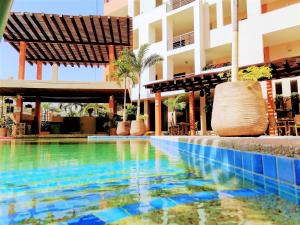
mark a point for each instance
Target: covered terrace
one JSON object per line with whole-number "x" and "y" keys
{"x": 207, "y": 80}
{"x": 64, "y": 40}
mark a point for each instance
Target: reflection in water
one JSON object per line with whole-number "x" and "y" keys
{"x": 56, "y": 181}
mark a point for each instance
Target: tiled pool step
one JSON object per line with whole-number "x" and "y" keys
{"x": 75, "y": 190}
{"x": 276, "y": 174}
{"x": 78, "y": 201}
{"x": 115, "y": 214}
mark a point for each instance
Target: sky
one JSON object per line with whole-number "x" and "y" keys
{"x": 9, "y": 57}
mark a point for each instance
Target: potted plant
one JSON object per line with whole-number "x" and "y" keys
{"x": 3, "y": 130}
{"x": 124, "y": 75}
{"x": 138, "y": 63}
{"x": 175, "y": 104}
{"x": 239, "y": 108}
{"x": 111, "y": 124}
{"x": 279, "y": 101}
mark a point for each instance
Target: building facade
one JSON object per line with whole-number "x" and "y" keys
{"x": 195, "y": 36}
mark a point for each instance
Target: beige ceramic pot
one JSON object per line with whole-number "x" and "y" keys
{"x": 137, "y": 128}
{"x": 3, "y": 132}
{"x": 239, "y": 109}
{"x": 123, "y": 128}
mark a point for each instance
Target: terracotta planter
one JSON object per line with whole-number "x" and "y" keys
{"x": 113, "y": 131}
{"x": 239, "y": 109}
{"x": 88, "y": 125}
{"x": 137, "y": 128}
{"x": 3, "y": 132}
{"x": 123, "y": 128}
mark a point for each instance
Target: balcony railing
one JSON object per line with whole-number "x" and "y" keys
{"x": 181, "y": 41}
{"x": 175, "y": 4}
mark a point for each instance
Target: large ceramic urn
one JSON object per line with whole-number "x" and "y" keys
{"x": 239, "y": 109}
{"x": 123, "y": 128}
{"x": 137, "y": 128}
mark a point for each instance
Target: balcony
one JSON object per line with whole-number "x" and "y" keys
{"x": 181, "y": 41}
{"x": 175, "y": 4}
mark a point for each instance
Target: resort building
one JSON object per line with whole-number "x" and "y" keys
{"x": 195, "y": 37}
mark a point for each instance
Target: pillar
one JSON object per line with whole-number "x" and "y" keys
{"x": 235, "y": 40}
{"x": 37, "y": 113}
{"x": 54, "y": 72}
{"x": 203, "y": 130}
{"x": 270, "y": 99}
{"x": 112, "y": 105}
{"x": 192, "y": 112}
{"x": 19, "y": 109}
{"x": 147, "y": 112}
{"x": 22, "y": 60}
{"x": 158, "y": 114}
{"x": 110, "y": 67}
{"x": 39, "y": 68}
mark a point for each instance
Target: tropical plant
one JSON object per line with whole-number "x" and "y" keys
{"x": 138, "y": 63}
{"x": 112, "y": 122}
{"x": 96, "y": 108}
{"x": 175, "y": 104}
{"x": 252, "y": 73}
{"x": 2, "y": 122}
{"x": 123, "y": 74}
{"x": 131, "y": 112}
{"x": 71, "y": 109}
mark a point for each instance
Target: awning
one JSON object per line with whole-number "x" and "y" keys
{"x": 68, "y": 40}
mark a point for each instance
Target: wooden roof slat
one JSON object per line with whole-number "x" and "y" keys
{"x": 80, "y": 40}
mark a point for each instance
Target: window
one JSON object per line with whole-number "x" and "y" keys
{"x": 213, "y": 16}
{"x": 278, "y": 88}
{"x": 294, "y": 86}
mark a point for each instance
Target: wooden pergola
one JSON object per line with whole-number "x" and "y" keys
{"x": 68, "y": 40}
{"x": 282, "y": 68}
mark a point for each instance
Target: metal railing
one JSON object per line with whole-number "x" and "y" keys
{"x": 175, "y": 4}
{"x": 181, "y": 40}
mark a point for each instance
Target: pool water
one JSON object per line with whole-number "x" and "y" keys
{"x": 126, "y": 182}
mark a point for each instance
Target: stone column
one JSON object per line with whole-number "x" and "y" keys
{"x": 37, "y": 113}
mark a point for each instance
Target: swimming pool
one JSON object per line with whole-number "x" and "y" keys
{"x": 127, "y": 181}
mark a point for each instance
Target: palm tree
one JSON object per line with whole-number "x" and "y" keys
{"x": 138, "y": 63}
{"x": 94, "y": 107}
{"x": 175, "y": 104}
{"x": 124, "y": 74}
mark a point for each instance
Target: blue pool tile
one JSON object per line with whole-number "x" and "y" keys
{"x": 205, "y": 196}
{"x": 112, "y": 215}
{"x": 285, "y": 168}
{"x": 259, "y": 180}
{"x": 257, "y": 163}
{"x": 269, "y": 164}
{"x": 230, "y": 154}
{"x": 238, "y": 159}
{"x": 86, "y": 220}
{"x": 182, "y": 199}
{"x": 241, "y": 193}
{"x": 289, "y": 197}
{"x": 137, "y": 208}
{"x": 272, "y": 189}
{"x": 297, "y": 171}
{"x": 287, "y": 188}
{"x": 247, "y": 161}
{"x": 162, "y": 203}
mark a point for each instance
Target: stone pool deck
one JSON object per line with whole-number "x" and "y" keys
{"x": 285, "y": 145}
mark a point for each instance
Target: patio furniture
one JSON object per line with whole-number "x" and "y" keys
{"x": 174, "y": 130}
{"x": 184, "y": 128}
{"x": 282, "y": 127}
{"x": 295, "y": 125}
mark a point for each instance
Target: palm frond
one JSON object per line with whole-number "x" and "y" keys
{"x": 152, "y": 60}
